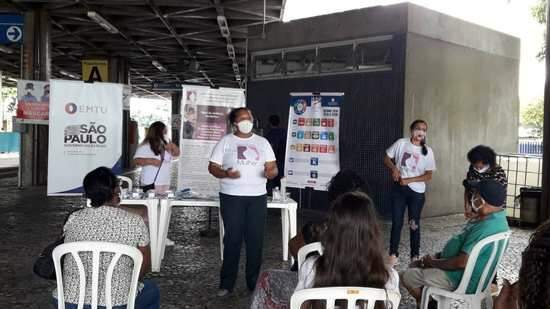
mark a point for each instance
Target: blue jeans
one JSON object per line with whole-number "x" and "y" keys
{"x": 403, "y": 198}
{"x": 148, "y": 298}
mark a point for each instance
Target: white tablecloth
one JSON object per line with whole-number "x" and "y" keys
{"x": 152, "y": 205}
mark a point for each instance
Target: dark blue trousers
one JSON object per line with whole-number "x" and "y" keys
{"x": 404, "y": 198}
{"x": 243, "y": 219}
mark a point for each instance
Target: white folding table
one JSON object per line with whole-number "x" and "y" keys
{"x": 288, "y": 220}
{"x": 152, "y": 205}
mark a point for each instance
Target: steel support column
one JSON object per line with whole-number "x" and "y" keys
{"x": 119, "y": 72}
{"x": 36, "y": 66}
{"x": 176, "y": 110}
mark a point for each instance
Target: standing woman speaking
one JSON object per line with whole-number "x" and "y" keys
{"x": 243, "y": 161}
{"x": 155, "y": 155}
{"x": 411, "y": 163}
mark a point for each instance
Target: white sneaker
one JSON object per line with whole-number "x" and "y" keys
{"x": 222, "y": 292}
{"x": 393, "y": 260}
{"x": 170, "y": 242}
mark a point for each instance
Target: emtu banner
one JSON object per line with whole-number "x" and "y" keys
{"x": 85, "y": 132}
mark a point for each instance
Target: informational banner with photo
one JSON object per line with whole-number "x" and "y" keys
{"x": 33, "y": 101}
{"x": 85, "y": 132}
{"x": 312, "y": 148}
{"x": 203, "y": 123}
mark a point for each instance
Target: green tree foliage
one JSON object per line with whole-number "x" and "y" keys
{"x": 533, "y": 115}
{"x": 539, "y": 13}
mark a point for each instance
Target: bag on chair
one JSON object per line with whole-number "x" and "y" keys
{"x": 43, "y": 266}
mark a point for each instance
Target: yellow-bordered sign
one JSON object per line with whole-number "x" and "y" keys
{"x": 95, "y": 70}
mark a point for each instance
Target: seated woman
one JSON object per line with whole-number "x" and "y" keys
{"x": 343, "y": 182}
{"x": 274, "y": 287}
{"x": 353, "y": 250}
{"x": 533, "y": 288}
{"x": 105, "y": 221}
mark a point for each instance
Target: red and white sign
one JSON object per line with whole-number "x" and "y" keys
{"x": 33, "y": 101}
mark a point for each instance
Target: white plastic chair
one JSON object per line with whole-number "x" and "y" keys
{"x": 128, "y": 181}
{"x": 351, "y": 294}
{"x": 307, "y": 249}
{"x": 445, "y": 298}
{"x": 96, "y": 248}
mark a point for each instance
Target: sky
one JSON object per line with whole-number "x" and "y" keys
{"x": 509, "y": 16}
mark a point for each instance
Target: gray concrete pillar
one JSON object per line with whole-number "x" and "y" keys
{"x": 36, "y": 66}
{"x": 119, "y": 72}
{"x": 176, "y": 110}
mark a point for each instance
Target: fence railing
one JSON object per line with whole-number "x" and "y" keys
{"x": 522, "y": 171}
{"x": 530, "y": 146}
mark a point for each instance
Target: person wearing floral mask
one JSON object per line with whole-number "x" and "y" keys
{"x": 482, "y": 167}
{"x": 411, "y": 163}
{"x": 242, "y": 161}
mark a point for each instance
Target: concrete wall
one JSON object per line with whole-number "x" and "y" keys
{"x": 467, "y": 90}
{"x": 460, "y": 77}
{"x": 329, "y": 28}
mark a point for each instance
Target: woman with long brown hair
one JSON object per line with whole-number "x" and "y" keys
{"x": 154, "y": 155}
{"x": 353, "y": 249}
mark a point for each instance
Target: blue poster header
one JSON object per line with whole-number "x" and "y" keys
{"x": 312, "y": 99}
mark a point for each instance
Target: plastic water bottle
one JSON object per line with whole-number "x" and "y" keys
{"x": 276, "y": 194}
{"x": 283, "y": 189}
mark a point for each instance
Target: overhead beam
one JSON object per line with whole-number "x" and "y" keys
{"x": 251, "y": 13}
{"x": 171, "y": 29}
{"x": 187, "y": 11}
{"x": 126, "y": 37}
{"x": 76, "y": 36}
{"x": 224, "y": 30}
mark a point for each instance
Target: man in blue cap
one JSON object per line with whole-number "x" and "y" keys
{"x": 444, "y": 270}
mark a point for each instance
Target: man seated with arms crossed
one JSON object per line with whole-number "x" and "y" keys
{"x": 444, "y": 270}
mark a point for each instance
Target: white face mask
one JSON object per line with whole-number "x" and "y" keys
{"x": 483, "y": 169}
{"x": 420, "y": 134}
{"x": 166, "y": 138}
{"x": 473, "y": 203}
{"x": 245, "y": 126}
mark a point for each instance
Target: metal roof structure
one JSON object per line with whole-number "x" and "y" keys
{"x": 199, "y": 42}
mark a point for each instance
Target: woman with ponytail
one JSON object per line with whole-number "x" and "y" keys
{"x": 411, "y": 163}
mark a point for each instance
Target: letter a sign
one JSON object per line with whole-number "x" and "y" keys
{"x": 95, "y": 70}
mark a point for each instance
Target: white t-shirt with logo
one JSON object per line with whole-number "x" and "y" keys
{"x": 248, "y": 156}
{"x": 411, "y": 162}
{"x": 148, "y": 172}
